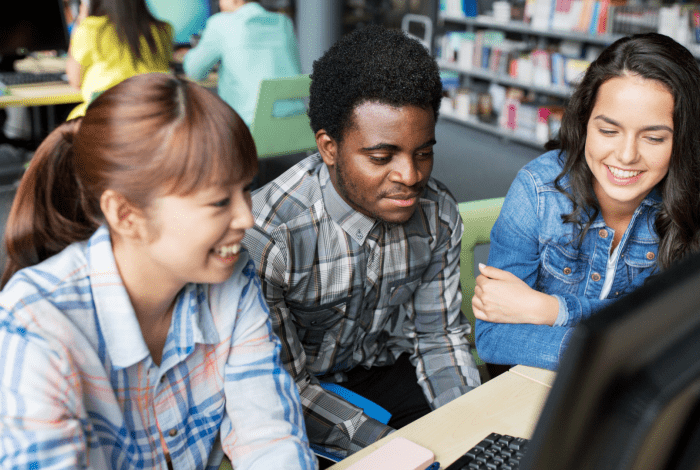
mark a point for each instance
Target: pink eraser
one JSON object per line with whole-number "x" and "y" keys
{"x": 397, "y": 454}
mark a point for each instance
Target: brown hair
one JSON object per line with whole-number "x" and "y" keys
{"x": 654, "y": 57}
{"x": 150, "y": 135}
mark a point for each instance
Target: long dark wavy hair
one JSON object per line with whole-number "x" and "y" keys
{"x": 656, "y": 57}
{"x": 132, "y": 20}
{"x": 150, "y": 135}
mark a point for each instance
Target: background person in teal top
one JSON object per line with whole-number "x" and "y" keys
{"x": 252, "y": 44}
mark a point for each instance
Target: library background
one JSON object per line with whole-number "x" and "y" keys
{"x": 508, "y": 67}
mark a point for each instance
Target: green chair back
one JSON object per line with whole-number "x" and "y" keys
{"x": 478, "y": 217}
{"x": 281, "y": 135}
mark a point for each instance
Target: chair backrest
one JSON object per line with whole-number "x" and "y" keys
{"x": 427, "y": 24}
{"x": 478, "y": 217}
{"x": 281, "y": 135}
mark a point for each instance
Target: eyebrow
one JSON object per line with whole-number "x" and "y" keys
{"x": 659, "y": 127}
{"x": 396, "y": 147}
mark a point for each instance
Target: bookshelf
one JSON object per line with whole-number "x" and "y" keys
{"x": 559, "y": 91}
{"x": 541, "y": 93}
{"x": 546, "y": 90}
{"x": 524, "y": 28}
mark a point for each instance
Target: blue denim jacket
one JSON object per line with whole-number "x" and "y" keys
{"x": 530, "y": 240}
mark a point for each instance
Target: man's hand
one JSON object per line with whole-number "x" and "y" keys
{"x": 502, "y": 297}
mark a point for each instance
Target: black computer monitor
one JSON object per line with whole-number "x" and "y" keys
{"x": 626, "y": 395}
{"x": 187, "y": 17}
{"x": 31, "y": 26}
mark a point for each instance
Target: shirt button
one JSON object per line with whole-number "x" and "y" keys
{"x": 651, "y": 255}
{"x": 595, "y": 277}
{"x": 173, "y": 432}
{"x": 603, "y": 233}
{"x": 567, "y": 271}
{"x": 359, "y": 234}
{"x": 162, "y": 379}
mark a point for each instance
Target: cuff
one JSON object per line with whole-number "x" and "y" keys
{"x": 449, "y": 395}
{"x": 563, "y": 315}
{"x": 370, "y": 431}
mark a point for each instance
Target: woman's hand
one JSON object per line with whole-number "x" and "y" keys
{"x": 502, "y": 297}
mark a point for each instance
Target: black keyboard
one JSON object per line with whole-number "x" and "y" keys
{"x": 24, "y": 78}
{"x": 495, "y": 452}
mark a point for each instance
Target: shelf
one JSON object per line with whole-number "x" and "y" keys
{"x": 551, "y": 90}
{"x": 524, "y": 28}
{"x": 495, "y": 130}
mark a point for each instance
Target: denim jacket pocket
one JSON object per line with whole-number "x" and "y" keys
{"x": 640, "y": 258}
{"x": 561, "y": 272}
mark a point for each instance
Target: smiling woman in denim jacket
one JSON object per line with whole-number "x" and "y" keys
{"x": 614, "y": 201}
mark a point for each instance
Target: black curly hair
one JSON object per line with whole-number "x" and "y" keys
{"x": 371, "y": 64}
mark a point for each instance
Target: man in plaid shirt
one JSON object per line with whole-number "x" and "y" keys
{"x": 358, "y": 248}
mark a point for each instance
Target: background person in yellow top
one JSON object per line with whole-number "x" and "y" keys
{"x": 115, "y": 40}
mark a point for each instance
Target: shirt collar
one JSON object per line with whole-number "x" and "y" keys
{"x": 354, "y": 223}
{"x": 249, "y": 9}
{"x": 652, "y": 200}
{"x": 192, "y": 321}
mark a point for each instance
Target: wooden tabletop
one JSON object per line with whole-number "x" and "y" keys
{"x": 508, "y": 404}
{"x": 43, "y": 94}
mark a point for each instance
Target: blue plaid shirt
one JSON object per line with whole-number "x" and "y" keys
{"x": 78, "y": 387}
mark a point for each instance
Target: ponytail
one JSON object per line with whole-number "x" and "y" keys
{"x": 50, "y": 210}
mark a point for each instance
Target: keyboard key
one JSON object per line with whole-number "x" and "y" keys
{"x": 517, "y": 443}
{"x": 483, "y": 445}
{"x": 494, "y": 452}
{"x": 505, "y": 439}
{"x": 461, "y": 463}
{"x": 472, "y": 453}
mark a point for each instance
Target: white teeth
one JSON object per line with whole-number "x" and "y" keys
{"x": 230, "y": 250}
{"x": 623, "y": 174}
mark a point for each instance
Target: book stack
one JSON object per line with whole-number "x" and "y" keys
{"x": 458, "y": 8}
{"x": 490, "y": 51}
{"x": 584, "y": 16}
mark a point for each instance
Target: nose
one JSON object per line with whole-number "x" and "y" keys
{"x": 241, "y": 213}
{"x": 629, "y": 153}
{"x": 406, "y": 171}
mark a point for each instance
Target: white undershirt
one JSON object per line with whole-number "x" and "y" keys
{"x": 610, "y": 273}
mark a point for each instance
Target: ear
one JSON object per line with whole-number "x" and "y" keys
{"x": 123, "y": 218}
{"x": 327, "y": 147}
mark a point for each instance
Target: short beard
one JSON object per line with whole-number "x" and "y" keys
{"x": 343, "y": 185}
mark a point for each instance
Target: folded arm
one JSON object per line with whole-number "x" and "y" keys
{"x": 199, "y": 60}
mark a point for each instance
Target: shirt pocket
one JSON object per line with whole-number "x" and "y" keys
{"x": 318, "y": 322}
{"x": 402, "y": 291}
{"x": 561, "y": 271}
{"x": 640, "y": 258}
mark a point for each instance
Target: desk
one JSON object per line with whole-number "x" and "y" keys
{"x": 42, "y": 94}
{"x": 508, "y": 404}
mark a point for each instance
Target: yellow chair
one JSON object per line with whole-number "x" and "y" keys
{"x": 478, "y": 217}
{"x": 281, "y": 135}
